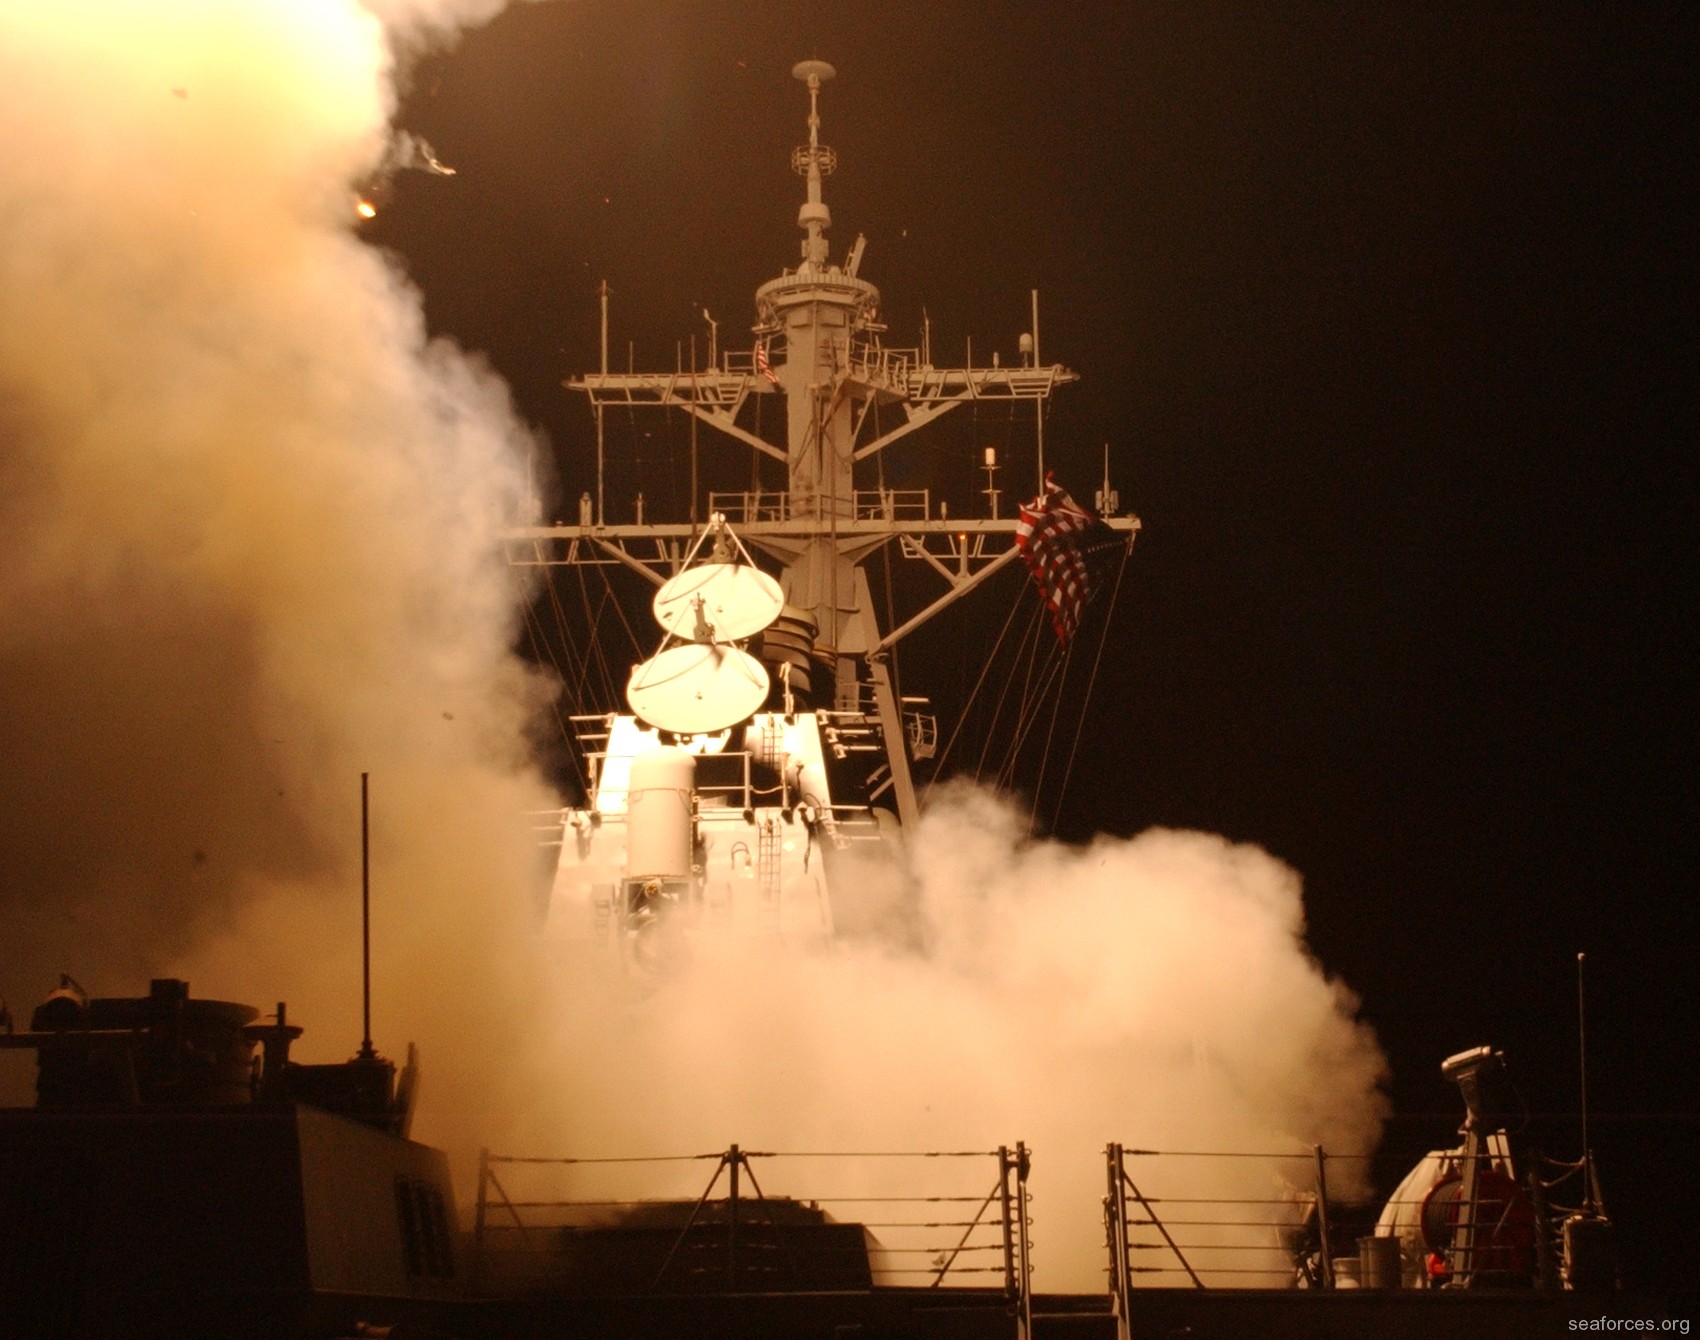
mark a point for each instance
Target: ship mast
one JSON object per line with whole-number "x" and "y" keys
{"x": 818, "y": 344}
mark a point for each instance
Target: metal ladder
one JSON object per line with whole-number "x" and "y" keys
{"x": 767, "y": 872}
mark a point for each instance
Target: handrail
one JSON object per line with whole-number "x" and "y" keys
{"x": 949, "y": 1235}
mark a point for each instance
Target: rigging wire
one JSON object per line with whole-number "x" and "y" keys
{"x": 542, "y": 652}
{"x": 594, "y": 648}
{"x": 755, "y": 463}
{"x": 580, "y": 774}
{"x": 1091, "y": 682}
{"x": 1050, "y": 733}
{"x": 962, "y": 716}
{"x": 1025, "y": 706}
{"x": 1012, "y": 737}
{"x": 885, "y": 559}
{"x": 613, "y": 599}
{"x": 569, "y": 644}
{"x": 1045, "y": 688}
{"x": 1031, "y": 713}
{"x": 1022, "y": 649}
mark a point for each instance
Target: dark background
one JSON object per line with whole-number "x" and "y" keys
{"x": 1387, "y": 314}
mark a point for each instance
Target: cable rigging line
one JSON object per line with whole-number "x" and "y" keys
{"x": 1091, "y": 682}
{"x": 569, "y": 645}
{"x": 593, "y": 652}
{"x": 613, "y": 599}
{"x": 1030, "y": 716}
{"x": 1023, "y": 724}
{"x": 540, "y": 651}
{"x": 1050, "y": 733}
{"x": 962, "y": 716}
{"x": 1022, "y": 648}
{"x": 885, "y": 560}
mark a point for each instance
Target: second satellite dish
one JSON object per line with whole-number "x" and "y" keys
{"x": 697, "y": 688}
{"x": 732, "y": 600}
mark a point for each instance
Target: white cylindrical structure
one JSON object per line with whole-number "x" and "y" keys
{"x": 658, "y": 814}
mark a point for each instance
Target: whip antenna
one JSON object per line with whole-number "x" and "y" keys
{"x": 1582, "y": 1049}
{"x": 366, "y": 924}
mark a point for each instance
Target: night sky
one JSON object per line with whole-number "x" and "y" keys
{"x": 1388, "y": 319}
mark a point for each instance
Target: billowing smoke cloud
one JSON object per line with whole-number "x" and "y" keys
{"x": 1154, "y": 991}
{"x": 247, "y": 531}
{"x": 247, "y": 513}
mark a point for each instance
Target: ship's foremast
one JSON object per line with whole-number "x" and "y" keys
{"x": 818, "y": 344}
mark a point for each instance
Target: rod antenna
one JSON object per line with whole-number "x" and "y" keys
{"x": 365, "y": 922}
{"x": 1582, "y": 1053}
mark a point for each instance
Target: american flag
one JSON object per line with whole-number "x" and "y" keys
{"x": 762, "y": 365}
{"x": 1050, "y": 537}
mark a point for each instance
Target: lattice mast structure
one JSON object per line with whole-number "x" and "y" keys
{"x": 818, "y": 344}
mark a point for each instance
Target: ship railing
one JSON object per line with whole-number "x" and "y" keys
{"x": 592, "y": 726}
{"x": 846, "y": 732}
{"x": 919, "y": 724}
{"x": 751, "y": 505}
{"x": 922, "y": 726}
{"x": 1223, "y": 1219}
{"x": 893, "y": 504}
{"x": 760, "y": 506}
{"x": 876, "y": 365}
{"x": 862, "y": 710}
{"x": 856, "y": 730}
{"x": 935, "y": 1219}
{"x": 844, "y": 826}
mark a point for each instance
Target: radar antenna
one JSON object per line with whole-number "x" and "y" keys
{"x": 814, "y": 161}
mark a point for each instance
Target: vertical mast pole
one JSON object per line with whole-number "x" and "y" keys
{"x": 365, "y": 922}
{"x": 1589, "y": 1199}
{"x": 693, "y": 435}
{"x": 1039, "y": 404}
{"x": 602, "y": 292}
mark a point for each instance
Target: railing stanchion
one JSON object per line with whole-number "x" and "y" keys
{"x": 1322, "y": 1216}
{"x": 690, "y": 1223}
{"x": 1026, "y": 1277}
{"x": 478, "y": 1220}
{"x": 733, "y": 1159}
{"x": 941, "y": 1234}
{"x": 1008, "y": 1236}
{"x": 1115, "y": 1223}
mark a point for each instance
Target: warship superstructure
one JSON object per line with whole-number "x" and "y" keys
{"x": 765, "y": 766}
{"x": 179, "y": 1174}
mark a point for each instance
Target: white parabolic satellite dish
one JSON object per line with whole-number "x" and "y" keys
{"x": 737, "y": 601}
{"x": 697, "y": 688}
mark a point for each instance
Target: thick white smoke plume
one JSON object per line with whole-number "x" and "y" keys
{"x": 1153, "y": 991}
{"x": 247, "y": 520}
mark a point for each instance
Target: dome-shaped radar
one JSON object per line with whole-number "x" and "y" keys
{"x": 697, "y": 688}
{"x": 818, "y": 69}
{"x": 731, "y": 601}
